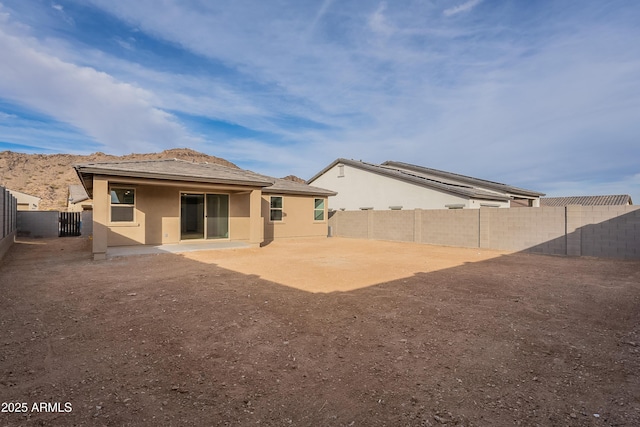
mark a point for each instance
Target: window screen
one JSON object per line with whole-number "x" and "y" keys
{"x": 276, "y": 208}
{"x": 318, "y": 210}
{"x": 122, "y": 204}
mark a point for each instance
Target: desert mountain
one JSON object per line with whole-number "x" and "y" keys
{"x": 294, "y": 179}
{"x": 48, "y": 175}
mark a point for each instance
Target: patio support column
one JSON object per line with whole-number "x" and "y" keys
{"x": 100, "y": 217}
{"x": 256, "y": 224}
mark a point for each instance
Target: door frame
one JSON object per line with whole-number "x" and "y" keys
{"x": 204, "y": 238}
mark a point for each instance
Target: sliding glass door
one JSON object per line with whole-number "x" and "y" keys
{"x": 217, "y": 213}
{"x": 191, "y": 216}
{"x": 204, "y": 215}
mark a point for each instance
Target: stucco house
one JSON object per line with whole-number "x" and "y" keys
{"x": 396, "y": 185}
{"x": 26, "y": 202}
{"x": 77, "y": 199}
{"x": 157, "y": 202}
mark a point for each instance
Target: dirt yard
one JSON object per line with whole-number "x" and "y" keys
{"x": 333, "y": 332}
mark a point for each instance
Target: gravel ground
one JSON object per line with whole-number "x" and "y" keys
{"x": 325, "y": 332}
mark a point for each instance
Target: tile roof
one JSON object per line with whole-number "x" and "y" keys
{"x": 77, "y": 193}
{"x": 23, "y": 196}
{"x": 285, "y": 186}
{"x": 439, "y": 180}
{"x": 607, "y": 200}
{"x": 183, "y": 170}
{"x": 175, "y": 169}
{"x": 458, "y": 178}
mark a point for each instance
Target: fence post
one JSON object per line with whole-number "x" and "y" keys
{"x": 417, "y": 225}
{"x": 484, "y": 231}
{"x": 336, "y": 228}
{"x": 370, "y": 223}
{"x": 2, "y": 212}
{"x": 573, "y": 234}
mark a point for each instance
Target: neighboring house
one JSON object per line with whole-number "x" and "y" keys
{"x": 396, "y": 185}
{"x": 613, "y": 200}
{"x": 26, "y": 202}
{"x": 78, "y": 200}
{"x": 157, "y": 202}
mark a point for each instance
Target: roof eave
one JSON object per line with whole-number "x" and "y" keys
{"x": 79, "y": 199}
{"x": 416, "y": 181}
{"x": 493, "y": 199}
{"x": 88, "y": 189}
{"x": 268, "y": 190}
{"x": 327, "y": 168}
{"x": 498, "y": 186}
{"x": 168, "y": 177}
{"x": 514, "y": 191}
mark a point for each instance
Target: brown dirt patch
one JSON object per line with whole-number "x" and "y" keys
{"x": 338, "y": 264}
{"x": 455, "y": 337}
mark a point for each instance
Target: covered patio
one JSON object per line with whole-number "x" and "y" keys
{"x": 173, "y": 248}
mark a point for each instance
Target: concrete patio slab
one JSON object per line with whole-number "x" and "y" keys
{"x": 122, "y": 251}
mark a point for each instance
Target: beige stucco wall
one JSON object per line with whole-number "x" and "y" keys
{"x": 157, "y": 214}
{"x": 156, "y": 217}
{"x": 239, "y": 219}
{"x": 298, "y": 218}
{"x": 26, "y": 202}
{"x": 80, "y": 206}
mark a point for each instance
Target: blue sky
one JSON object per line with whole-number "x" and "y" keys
{"x": 540, "y": 94}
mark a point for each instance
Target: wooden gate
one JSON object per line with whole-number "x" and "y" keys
{"x": 69, "y": 224}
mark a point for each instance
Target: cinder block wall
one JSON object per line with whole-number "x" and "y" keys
{"x": 87, "y": 223}
{"x": 603, "y": 231}
{"x": 611, "y": 231}
{"x": 539, "y": 230}
{"x": 8, "y": 213}
{"x": 8, "y": 218}
{"x": 38, "y": 224}
{"x": 351, "y": 224}
{"x": 4, "y": 211}
{"x": 393, "y": 225}
{"x": 457, "y": 227}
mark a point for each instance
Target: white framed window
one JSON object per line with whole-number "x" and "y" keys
{"x": 275, "y": 208}
{"x": 123, "y": 204}
{"x": 318, "y": 209}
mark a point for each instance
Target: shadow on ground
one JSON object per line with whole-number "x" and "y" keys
{"x": 165, "y": 339}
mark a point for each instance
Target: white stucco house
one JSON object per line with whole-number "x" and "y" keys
{"x": 396, "y": 185}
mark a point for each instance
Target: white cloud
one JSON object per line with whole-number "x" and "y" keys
{"x": 464, "y": 7}
{"x": 116, "y": 114}
{"x": 378, "y": 22}
{"x": 60, "y": 9}
{"x": 396, "y": 80}
{"x": 326, "y": 4}
{"x": 7, "y": 117}
{"x": 128, "y": 45}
